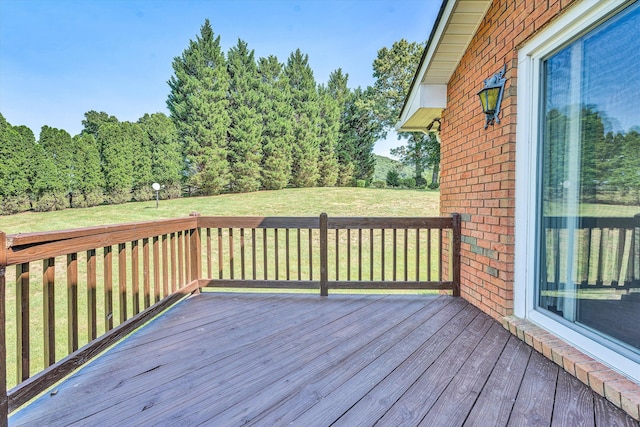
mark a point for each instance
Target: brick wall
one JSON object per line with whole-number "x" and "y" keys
{"x": 478, "y": 165}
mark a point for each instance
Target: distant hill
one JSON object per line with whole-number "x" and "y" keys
{"x": 385, "y": 164}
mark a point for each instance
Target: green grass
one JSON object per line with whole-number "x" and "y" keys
{"x": 288, "y": 202}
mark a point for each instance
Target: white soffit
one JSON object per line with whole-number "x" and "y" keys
{"x": 450, "y": 37}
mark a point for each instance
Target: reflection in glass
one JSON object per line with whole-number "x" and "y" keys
{"x": 589, "y": 244}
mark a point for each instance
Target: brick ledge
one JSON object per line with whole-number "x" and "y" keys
{"x": 615, "y": 387}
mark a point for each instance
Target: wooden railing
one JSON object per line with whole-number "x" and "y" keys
{"x": 608, "y": 251}
{"x": 322, "y": 253}
{"x": 79, "y": 291}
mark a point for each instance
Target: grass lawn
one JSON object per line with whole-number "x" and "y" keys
{"x": 288, "y": 202}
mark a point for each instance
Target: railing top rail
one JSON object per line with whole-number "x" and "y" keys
{"x": 36, "y": 246}
{"x": 23, "y": 239}
{"x": 390, "y": 222}
{"x": 258, "y": 222}
{"x": 592, "y": 222}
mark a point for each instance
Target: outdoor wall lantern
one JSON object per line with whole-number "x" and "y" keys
{"x": 491, "y": 96}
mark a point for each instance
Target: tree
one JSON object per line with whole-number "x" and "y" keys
{"x": 277, "y": 124}
{"x": 422, "y": 151}
{"x": 329, "y": 127}
{"x": 117, "y": 165}
{"x": 245, "y": 129}
{"x": 394, "y": 70}
{"x": 15, "y": 156}
{"x": 140, "y": 147}
{"x": 198, "y": 105}
{"x": 304, "y": 100}
{"x": 89, "y": 179}
{"x": 359, "y": 130}
{"x": 57, "y": 147}
{"x": 93, "y": 120}
{"x": 393, "y": 178}
{"x": 166, "y": 152}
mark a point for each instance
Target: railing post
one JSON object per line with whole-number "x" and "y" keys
{"x": 195, "y": 249}
{"x": 4, "y": 406}
{"x": 324, "y": 256}
{"x": 455, "y": 249}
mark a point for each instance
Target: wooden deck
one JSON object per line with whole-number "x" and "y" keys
{"x": 264, "y": 359}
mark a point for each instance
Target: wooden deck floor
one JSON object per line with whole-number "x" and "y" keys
{"x": 270, "y": 360}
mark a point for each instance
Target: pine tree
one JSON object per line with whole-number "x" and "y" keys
{"x": 245, "y": 129}
{"x": 277, "y": 124}
{"x": 338, "y": 90}
{"x": 117, "y": 166}
{"x": 57, "y": 148}
{"x": 93, "y": 120}
{"x": 89, "y": 178}
{"x": 198, "y": 105}
{"x": 15, "y": 157}
{"x": 166, "y": 155}
{"x": 329, "y": 127}
{"x": 304, "y": 100}
{"x": 140, "y": 147}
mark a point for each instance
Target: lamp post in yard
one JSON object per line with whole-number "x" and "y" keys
{"x": 156, "y": 187}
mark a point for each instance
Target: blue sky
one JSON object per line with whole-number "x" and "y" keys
{"x": 59, "y": 59}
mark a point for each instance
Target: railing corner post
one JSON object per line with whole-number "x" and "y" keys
{"x": 4, "y": 400}
{"x": 457, "y": 237}
{"x": 324, "y": 256}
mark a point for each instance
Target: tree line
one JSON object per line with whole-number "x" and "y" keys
{"x": 236, "y": 124}
{"x": 609, "y": 165}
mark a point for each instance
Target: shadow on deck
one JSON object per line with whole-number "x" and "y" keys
{"x": 275, "y": 359}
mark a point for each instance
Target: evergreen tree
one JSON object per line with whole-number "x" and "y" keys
{"x": 89, "y": 178}
{"x": 338, "y": 90}
{"x": 28, "y": 147}
{"x": 140, "y": 147}
{"x": 329, "y": 127}
{"x": 93, "y": 120}
{"x": 198, "y": 105}
{"x": 57, "y": 149}
{"x": 245, "y": 129}
{"x": 14, "y": 173}
{"x": 277, "y": 124}
{"x": 304, "y": 100}
{"x": 166, "y": 155}
{"x": 117, "y": 165}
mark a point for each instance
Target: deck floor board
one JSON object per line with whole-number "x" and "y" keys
{"x": 299, "y": 359}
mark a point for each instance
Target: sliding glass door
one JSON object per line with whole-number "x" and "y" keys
{"x": 589, "y": 191}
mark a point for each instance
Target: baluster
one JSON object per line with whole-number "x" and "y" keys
{"x": 48, "y": 287}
